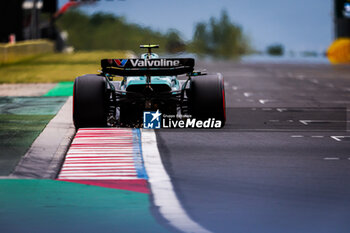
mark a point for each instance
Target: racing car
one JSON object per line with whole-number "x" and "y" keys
{"x": 149, "y": 83}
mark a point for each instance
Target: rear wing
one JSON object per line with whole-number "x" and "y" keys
{"x": 147, "y": 67}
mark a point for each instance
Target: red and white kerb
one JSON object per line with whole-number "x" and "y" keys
{"x": 103, "y": 154}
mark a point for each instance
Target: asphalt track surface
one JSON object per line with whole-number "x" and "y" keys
{"x": 282, "y": 162}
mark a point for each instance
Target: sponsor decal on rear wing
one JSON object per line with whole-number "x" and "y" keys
{"x": 134, "y": 67}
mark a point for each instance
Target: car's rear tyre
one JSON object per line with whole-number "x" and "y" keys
{"x": 89, "y": 101}
{"x": 208, "y": 97}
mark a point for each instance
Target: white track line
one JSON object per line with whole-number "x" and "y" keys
{"x": 331, "y": 158}
{"x": 247, "y": 94}
{"x": 162, "y": 189}
{"x": 337, "y": 138}
{"x": 264, "y": 101}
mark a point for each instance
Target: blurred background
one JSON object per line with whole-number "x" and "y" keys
{"x": 277, "y": 166}
{"x": 246, "y": 30}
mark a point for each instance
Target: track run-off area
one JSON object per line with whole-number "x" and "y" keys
{"x": 280, "y": 164}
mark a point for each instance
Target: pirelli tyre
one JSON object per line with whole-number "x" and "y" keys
{"x": 207, "y": 97}
{"x": 89, "y": 101}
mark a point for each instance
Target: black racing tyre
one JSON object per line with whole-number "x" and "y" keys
{"x": 207, "y": 97}
{"x": 90, "y": 101}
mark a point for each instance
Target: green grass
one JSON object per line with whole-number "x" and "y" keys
{"x": 58, "y": 67}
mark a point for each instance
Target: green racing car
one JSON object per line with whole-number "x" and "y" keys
{"x": 167, "y": 85}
